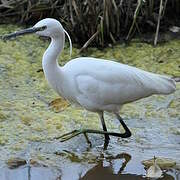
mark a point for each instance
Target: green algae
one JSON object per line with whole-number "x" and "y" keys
{"x": 164, "y": 59}
{"x": 3, "y": 116}
{"x": 25, "y": 111}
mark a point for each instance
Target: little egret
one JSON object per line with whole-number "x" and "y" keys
{"x": 97, "y": 85}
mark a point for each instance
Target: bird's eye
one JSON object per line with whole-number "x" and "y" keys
{"x": 42, "y": 28}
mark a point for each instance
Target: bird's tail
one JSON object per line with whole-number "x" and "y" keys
{"x": 165, "y": 85}
{"x": 176, "y": 79}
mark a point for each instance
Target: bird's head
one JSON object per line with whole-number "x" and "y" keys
{"x": 48, "y": 27}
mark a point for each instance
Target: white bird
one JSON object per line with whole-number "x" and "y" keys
{"x": 97, "y": 85}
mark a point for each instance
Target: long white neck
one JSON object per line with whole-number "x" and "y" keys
{"x": 50, "y": 65}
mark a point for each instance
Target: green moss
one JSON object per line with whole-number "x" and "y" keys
{"x": 163, "y": 59}
{"x": 36, "y": 138}
{"x": 3, "y": 116}
{"x": 18, "y": 147}
{"x": 26, "y": 119}
{"x": 3, "y": 140}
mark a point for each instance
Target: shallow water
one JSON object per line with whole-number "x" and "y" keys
{"x": 28, "y": 123}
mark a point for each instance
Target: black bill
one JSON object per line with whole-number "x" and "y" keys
{"x": 23, "y": 32}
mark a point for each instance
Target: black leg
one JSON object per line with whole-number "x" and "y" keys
{"x": 107, "y": 138}
{"x": 106, "y": 133}
{"x": 127, "y": 131}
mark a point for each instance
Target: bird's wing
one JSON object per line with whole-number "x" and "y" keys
{"x": 102, "y": 82}
{"x": 114, "y": 83}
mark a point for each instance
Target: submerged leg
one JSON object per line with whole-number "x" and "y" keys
{"x": 74, "y": 133}
{"x": 87, "y": 139}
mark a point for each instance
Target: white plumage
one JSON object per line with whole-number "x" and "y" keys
{"x": 102, "y": 85}
{"x": 97, "y": 85}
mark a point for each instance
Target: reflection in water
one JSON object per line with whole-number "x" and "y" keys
{"x": 113, "y": 171}
{"x": 29, "y": 172}
{"x": 107, "y": 169}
